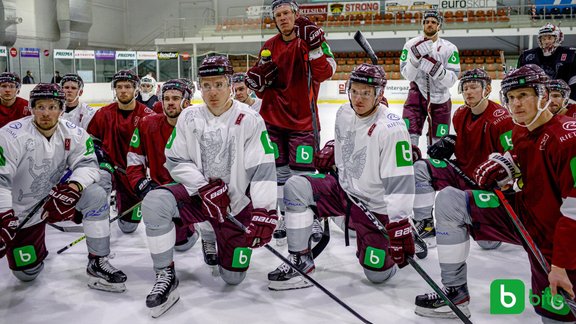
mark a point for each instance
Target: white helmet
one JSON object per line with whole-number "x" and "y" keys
{"x": 152, "y": 82}
{"x": 553, "y": 30}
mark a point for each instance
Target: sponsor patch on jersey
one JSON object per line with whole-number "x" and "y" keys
{"x": 239, "y": 119}
{"x": 2, "y": 158}
{"x": 393, "y": 116}
{"x": 530, "y": 57}
{"x": 16, "y": 125}
{"x": 403, "y": 154}
{"x": 573, "y": 169}
{"x": 563, "y": 57}
{"x": 485, "y": 199}
{"x": 148, "y": 110}
{"x": 267, "y": 143}
{"x": 326, "y": 49}
{"x": 135, "y": 140}
{"x": 454, "y": 58}
{"x": 498, "y": 113}
{"x": 90, "y": 146}
{"x": 70, "y": 125}
{"x": 404, "y": 55}
{"x": 371, "y": 129}
{"x": 506, "y": 141}
{"x": 569, "y": 126}
{"x": 66, "y": 144}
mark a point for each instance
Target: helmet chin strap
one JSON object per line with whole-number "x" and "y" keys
{"x": 540, "y": 111}
{"x": 480, "y": 102}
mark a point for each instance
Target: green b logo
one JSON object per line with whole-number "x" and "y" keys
{"x": 441, "y": 130}
{"x": 304, "y": 154}
{"x": 404, "y": 55}
{"x": 403, "y": 154}
{"x": 137, "y": 214}
{"x": 241, "y": 258}
{"x": 135, "y": 140}
{"x": 485, "y": 199}
{"x": 573, "y": 169}
{"x": 507, "y": 296}
{"x": 506, "y": 140}
{"x": 454, "y": 58}
{"x": 374, "y": 257}
{"x": 266, "y": 143}
{"x": 25, "y": 255}
{"x": 89, "y": 147}
{"x": 439, "y": 164}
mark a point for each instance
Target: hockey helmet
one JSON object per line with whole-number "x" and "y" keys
{"x": 148, "y": 80}
{"x": 10, "y": 77}
{"x": 553, "y": 30}
{"x": 215, "y": 65}
{"x": 474, "y": 75}
{"x": 47, "y": 91}
{"x": 529, "y": 75}
{"x": 369, "y": 74}
{"x": 560, "y": 86}
{"x": 277, "y": 3}
{"x": 125, "y": 75}
{"x": 432, "y": 14}
{"x": 238, "y": 77}
{"x": 179, "y": 85}
{"x": 74, "y": 78}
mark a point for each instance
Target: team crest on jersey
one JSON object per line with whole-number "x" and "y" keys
{"x": 239, "y": 119}
{"x": 70, "y": 125}
{"x": 148, "y": 110}
{"x": 67, "y": 144}
{"x": 544, "y": 141}
{"x": 17, "y": 125}
{"x": 498, "y": 113}
{"x": 569, "y": 126}
{"x": 563, "y": 57}
{"x": 530, "y": 57}
{"x": 136, "y": 119}
{"x": 371, "y": 129}
{"x": 393, "y": 116}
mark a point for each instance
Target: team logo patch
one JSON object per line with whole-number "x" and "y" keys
{"x": 393, "y": 117}
{"x": 544, "y": 141}
{"x": 569, "y": 126}
{"x": 371, "y": 129}
{"x": 239, "y": 119}
{"x": 70, "y": 125}
{"x": 16, "y": 125}
{"x": 67, "y": 144}
{"x": 563, "y": 57}
{"x": 499, "y": 112}
{"x": 137, "y": 119}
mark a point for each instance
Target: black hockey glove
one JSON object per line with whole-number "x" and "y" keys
{"x": 143, "y": 186}
{"x": 444, "y": 148}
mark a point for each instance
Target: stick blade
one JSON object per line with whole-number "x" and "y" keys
{"x": 361, "y": 40}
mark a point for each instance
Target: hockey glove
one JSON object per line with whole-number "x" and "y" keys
{"x": 215, "y": 200}
{"x": 416, "y": 153}
{"x": 261, "y": 76}
{"x": 423, "y": 47}
{"x": 497, "y": 171}
{"x": 309, "y": 32}
{"x": 324, "y": 160}
{"x": 432, "y": 67}
{"x": 444, "y": 148}
{"x": 261, "y": 227}
{"x": 8, "y": 225}
{"x": 61, "y": 203}
{"x": 143, "y": 186}
{"x": 103, "y": 159}
{"x": 401, "y": 242}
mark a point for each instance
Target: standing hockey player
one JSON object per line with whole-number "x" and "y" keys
{"x": 432, "y": 65}
{"x": 146, "y": 151}
{"x": 288, "y": 82}
{"x": 559, "y": 93}
{"x": 559, "y": 62}
{"x": 75, "y": 111}
{"x": 36, "y": 151}
{"x": 12, "y": 107}
{"x": 113, "y": 126}
{"x": 543, "y": 160}
{"x": 244, "y": 94}
{"x": 372, "y": 153}
{"x": 482, "y": 127}
{"x": 217, "y": 152}
{"x": 147, "y": 94}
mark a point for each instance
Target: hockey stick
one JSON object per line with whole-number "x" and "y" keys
{"x": 41, "y": 203}
{"x": 302, "y": 273}
{"x": 68, "y": 229}
{"x": 536, "y": 253}
{"x": 503, "y": 59}
{"x": 412, "y": 262}
{"x": 461, "y": 173}
{"x": 83, "y": 237}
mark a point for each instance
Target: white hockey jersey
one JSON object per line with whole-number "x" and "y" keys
{"x": 444, "y": 52}
{"x": 374, "y": 159}
{"x": 256, "y": 105}
{"x": 233, "y": 147}
{"x": 81, "y": 115}
{"x": 31, "y": 164}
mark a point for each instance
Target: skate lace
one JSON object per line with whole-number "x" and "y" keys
{"x": 163, "y": 279}
{"x": 284, "y": 267}
{"x": 105, "y": 266}
{"x": 209, "y": 247}
{"x": 434, "y": 295}
{"x": 316, "y": 227}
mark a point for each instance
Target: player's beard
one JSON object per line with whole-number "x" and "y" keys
{"x": 172, "y": 113}
{"x": 46, "y": 124}
{"x": 126, "y": 102}
{"x": 430, "y": 34}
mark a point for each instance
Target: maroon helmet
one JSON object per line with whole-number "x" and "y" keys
{"x": 215, "y": 65}
{"x": 474, "y": 75}
{"x": 529, "y": 75}
{"x": 47, "y": 91}
{"x": 74, "y": 78}
{"x": 277, "y": 3}
{"x": 10, "y": 77}
{"x": 560, "y": 86}
{"x": 369, "y": 74}
{"x": 238, "y": 77}
{"x": 433, "y": 14}
{"x": 126, "y": 75}
{"x": 175, "y": 84}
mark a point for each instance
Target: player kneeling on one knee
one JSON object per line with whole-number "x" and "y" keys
{"x": 216, "y": 152}
{"x": 57, "y": 145}
{"x": 372, "y": 155}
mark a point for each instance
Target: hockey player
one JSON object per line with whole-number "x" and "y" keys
{"x": 114, "y": 125}
{"x": 373, "y": 158}
{"x": 147, "y": 93}
{"x": 244, "y": 94}
{"x": 217, "y": 152}
{"x": 75, "y": 111}
{"x": 559, "y": 62}
{"x": 543, "y": 156}
{"x": 36, "y": 150}
{"x": 482, "y": 127}
{"x": 288, "y": 83}
{"x": 559, "y": 92}
{"x": 432, "y": 65}
{"x": 12, "y": 107}
{"x": 147, "y": 151}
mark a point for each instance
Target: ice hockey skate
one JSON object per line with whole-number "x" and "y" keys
{"x": 280, "y": 232}
{"x": 286, "y": 278}
{"x": 210, "y": 256}
{"x": 426, "y": 231}
{"x": 317, "y": 231}
{"x": 432, "y": 305}
{"x": 103, "y": 276}
{"x": 164, "y": 294}
{"x": 421, "y": 248}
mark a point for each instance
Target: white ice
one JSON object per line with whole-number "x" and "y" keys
{"x": 60, "y": 294}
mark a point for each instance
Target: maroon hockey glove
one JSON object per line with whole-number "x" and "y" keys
{"x": 421, "y": 48}
{"x": 432, "y": 67}
{"x": 261, "y": 76}
{"x": 444, "y": 148}
{"x": 61, "y": 204}
{"x": 309, "y": 32}
{"x": 215, "y": 200}
{"x": 401, "y": 242}
{"x": 416, "y": 153}
{"x": 143, "y": 186}
{"x": 497, "y": 171}
{"x": 261, "y": 227}
{"x": 8, "y": 225}
{"x": 324, "y": 160}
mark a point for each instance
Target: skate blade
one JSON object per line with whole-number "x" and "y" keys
{"x": 298, "y": 282}
{"x": 214, "y": 271}
{"x": 281, "y": 241}
{"x": 442, "y": 312}
{"x": 101, "y": 284}
{"x": 158, "y": 311}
